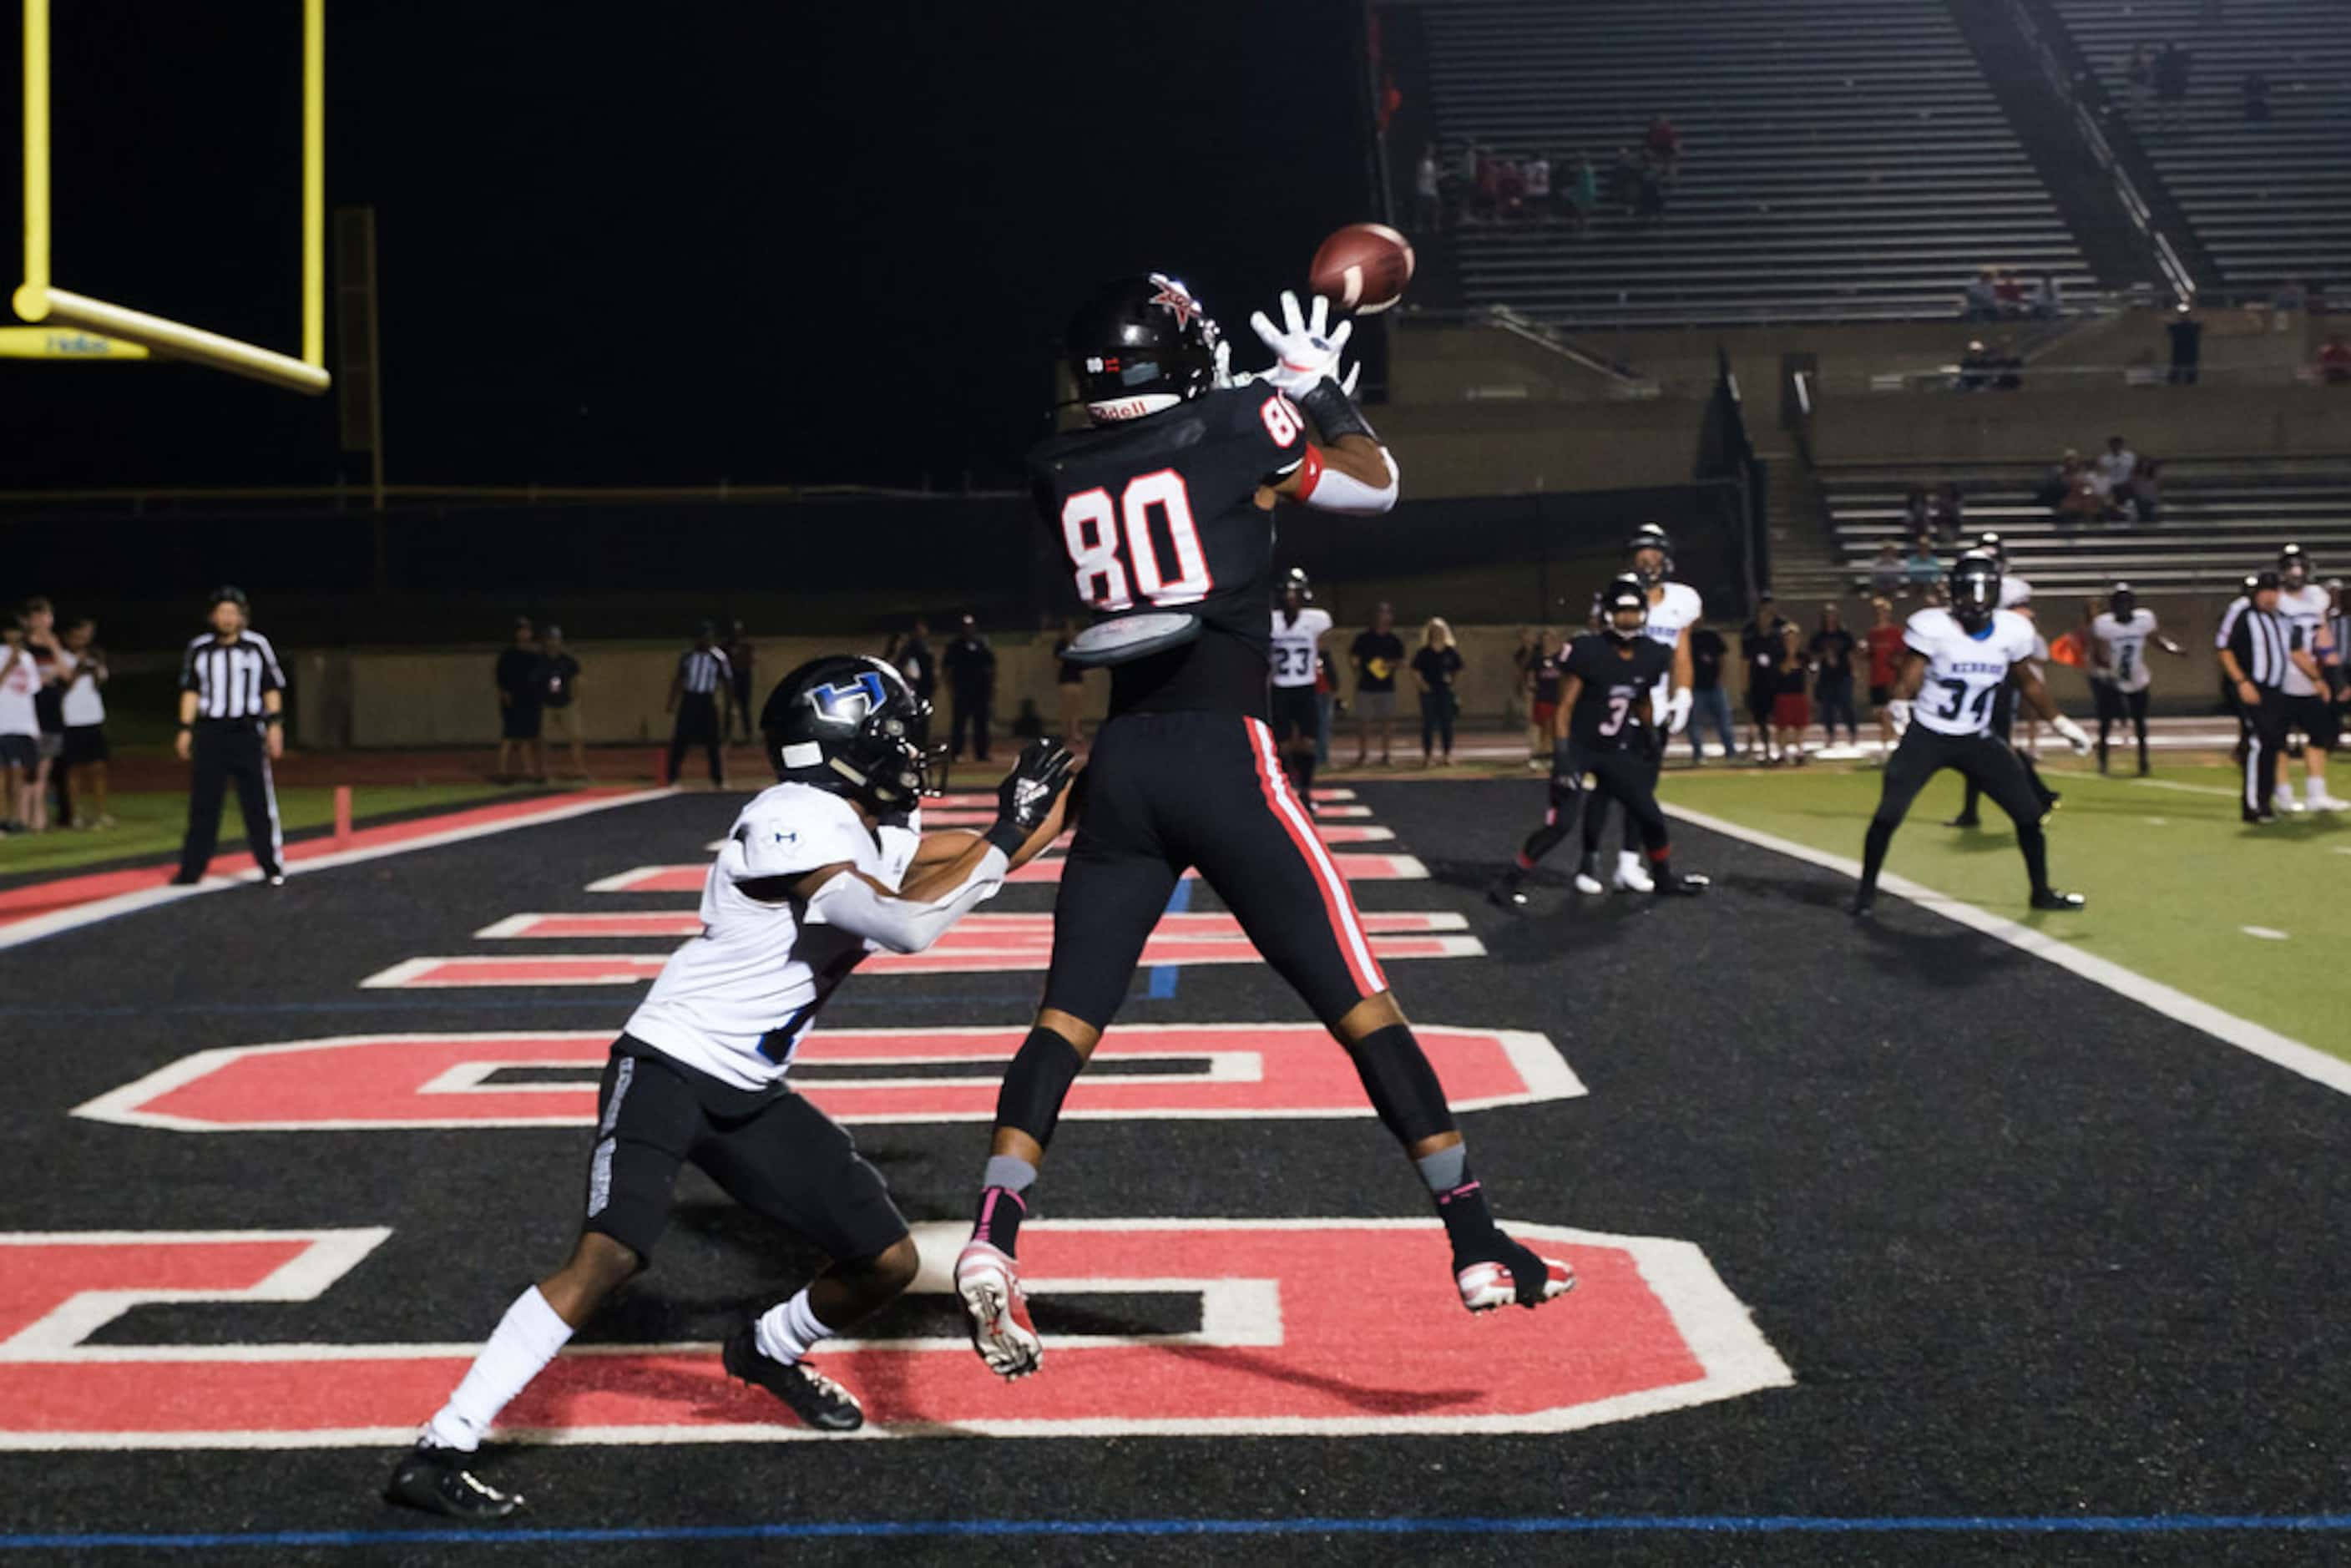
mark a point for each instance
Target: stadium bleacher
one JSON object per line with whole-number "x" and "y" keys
{"x": 2270, "y": 200}
{"x": 1844, "y": 159}
{"x": 2218, "y": 521}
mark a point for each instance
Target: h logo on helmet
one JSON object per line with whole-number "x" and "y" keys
{"x": 850, "y": 704}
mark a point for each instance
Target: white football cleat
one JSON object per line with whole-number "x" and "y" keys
{"x": 2329, "y": 803}
{"x": 1488, "y": 1285}
{"x": 2285, "y": 803}
{"x": 989, "y": 1281}
{"x": 1632, "y": 876}
{"x": 1587, "y": 882}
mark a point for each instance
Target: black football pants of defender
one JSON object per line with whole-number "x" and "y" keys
{"x": 1636, "y": 836}
{"x": 1627, "y": 777}
{"x": 971, "y": 710}
{"x": 1168, "y": 790}
{"x": 2003, "y": 726}
{"x": 223, "y": 750}
{"x": 1988, "y": 763}
{"x": 2262, "y": 738}
{"x": 697, "y": 725}
{"x": 2113, "y": 707}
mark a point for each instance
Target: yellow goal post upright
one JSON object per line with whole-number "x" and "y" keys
{"x": 40, "y": 300}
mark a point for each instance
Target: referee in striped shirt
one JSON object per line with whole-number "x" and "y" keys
{"x": 232, "y": 709}
{"x": 698, "y": 694}
{"x": 2263, "y": 644}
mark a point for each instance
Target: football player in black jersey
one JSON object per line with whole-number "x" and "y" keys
{"x": 1163, "y": 506}
{"x": 1607, "y": 728}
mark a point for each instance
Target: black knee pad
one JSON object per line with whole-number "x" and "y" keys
{"x": 1036, "y": 1084}
{"x": 1403, "y": 1086}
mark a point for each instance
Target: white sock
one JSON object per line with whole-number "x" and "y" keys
{"x": 789, "y": 1329}
{"x": 526, "y": 1339}
{"x": 2314, "y": 787}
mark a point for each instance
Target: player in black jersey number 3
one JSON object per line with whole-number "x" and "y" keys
{"x": 1165, "y": 511}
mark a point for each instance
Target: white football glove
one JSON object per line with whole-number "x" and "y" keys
{"x": 1677, "y": 711}
{"x": 1224, "y": 377}
{"x": 1307, "y": 350}
{"x": 1898, "y": 712}
{"x": 2075, "y": 737}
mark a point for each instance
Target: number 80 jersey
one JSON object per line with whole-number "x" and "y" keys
{"x": 1964, "y": 671}
{"x": 1161, "y": 513}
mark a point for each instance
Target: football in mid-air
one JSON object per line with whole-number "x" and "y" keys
{"x": 1364, "y": 267}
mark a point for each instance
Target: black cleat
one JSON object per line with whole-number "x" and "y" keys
{"x": 1865, "y": 903}
{"x": 185, "y": 880}
{"x": 2050, "y": 898}
{"x": 815, "y": 1399}
{"x": 1683, "y": 886}
{"x": 1506, "y": 892}
{"x": 435, "y": 1479}
{"x": 1965, "y": 820}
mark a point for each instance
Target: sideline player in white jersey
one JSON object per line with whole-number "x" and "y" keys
{"x": 1674, "y": 608}
{"x": 1957, "y": 663}
{"x": 1297, "y": 654}
{"x": 829, "y": 866}
{"x": 2309, "y": 705}
{"x": 2120, "y": 677}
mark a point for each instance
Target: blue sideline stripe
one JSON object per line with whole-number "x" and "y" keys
{"x": 1162, "y": 976}
{"x": 1527, "y": 1524}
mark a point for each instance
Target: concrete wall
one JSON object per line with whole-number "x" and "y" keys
{"x": 2033, "y": 425}
{"x": 1520, "y": 448}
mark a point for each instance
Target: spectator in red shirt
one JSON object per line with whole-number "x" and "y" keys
{"x": 1885, "y": 641}
{"x": 2334, "y": 361}
{"x": 1664, "y": 147}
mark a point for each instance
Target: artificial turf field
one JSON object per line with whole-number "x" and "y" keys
{"x": 150, "y": 823}
{"x": 1960, "y": 1257}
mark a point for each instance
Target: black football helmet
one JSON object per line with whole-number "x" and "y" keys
{"x": 1990, "y": 543}
{"x": 853, "y": 726}
{"x": 2122, "y": 602}
{"x": 1298, "y": 582}
{"x": 1141, "y": 345}
{"x": 1975, "y": 589}
{"x": 1649, "y": 537}
{"x": 1626, "y": 592}
{"x": 2294, "y": 566}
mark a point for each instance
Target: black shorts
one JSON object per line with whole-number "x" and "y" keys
{"x": 518, "y": 721}
{"x": 1759, "y": 698}
{"x": 2114, "y": 705}
{"x": 770, "y": 1151}
{"x": 85, "y": 744}
{"x": 20, "y": 751}
{"x": 1880, "y": 695}
{"x": 2317, "y": 718}
{"x": 1986, "y": 760}
{"x": 1296, "y": 714}
{"x": 1206, "y": 789}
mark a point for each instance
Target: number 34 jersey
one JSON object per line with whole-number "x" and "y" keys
{"x": 1160, "y": 514}
{"x": 1964, "y": 671}
{"x": 1607, "y": 713}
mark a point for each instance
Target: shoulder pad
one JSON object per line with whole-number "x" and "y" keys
{"x": 794, "y": 829}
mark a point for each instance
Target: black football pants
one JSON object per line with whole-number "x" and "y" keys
{"x": 223, "y": 750}
{"x": 1988, "y": 763}
{"x": 697, "y": 725}
{"x": 2262, "y": 737}
{"x": 1164, "y": 791}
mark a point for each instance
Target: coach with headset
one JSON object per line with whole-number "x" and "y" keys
{"x": 232, "y": 710}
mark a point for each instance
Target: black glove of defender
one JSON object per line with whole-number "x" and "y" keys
{"x": 1026, "y": 796}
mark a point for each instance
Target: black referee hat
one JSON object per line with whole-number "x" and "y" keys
{"x": 2260, "y": 581}
{"x": 230, "y": 593}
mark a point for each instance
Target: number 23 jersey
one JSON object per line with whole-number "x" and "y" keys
{"x": 1607, "y": 713}
{"x": 1964, "y": 673}
{"x": 1161, "y": 513}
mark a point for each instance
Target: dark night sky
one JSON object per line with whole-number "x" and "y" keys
{"x": 773, "y": 242}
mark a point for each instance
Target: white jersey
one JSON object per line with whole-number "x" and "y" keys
{"x": 83, "y": 707}
{"x": 2308, "y": 607}
{"x": 1964, "y": 673}
{"x": 1294, "y": 645}
{"x": 16, "y": 690}
{"x": 735, "y": 1002}
{"x": 2123, "y": 647}
{"x": 1670, "y": 614}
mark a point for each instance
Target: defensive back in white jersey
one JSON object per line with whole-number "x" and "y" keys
{"x": 735, "y": 1002}
{"x": 1293, "y": 645}
{"x": 2124, "y": 644}
{"x": 1964, "y": 671}
{"x": 1672, "y": 613}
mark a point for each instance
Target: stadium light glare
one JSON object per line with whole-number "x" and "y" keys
{"x": 39, "y": 299}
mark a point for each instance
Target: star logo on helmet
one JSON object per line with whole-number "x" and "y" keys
{"x": 1176, "y": 299}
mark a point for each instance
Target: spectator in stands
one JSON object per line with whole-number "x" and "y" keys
{"x": 1664, "y": 145}
{"x": 2007, "y": 366}
{"x": 1917, "y": 514}
{"x": 2289, "y": 296}
{"x": 2077, "y": 494}
{"x": 2171, "y": 70}
{"x": 2008, "y": 292}
{"x": 1975, "y": 367}
{"x": 1536, "y": 174}
{"x": 2334, "y": 361}
{"x": 520, "y": 699}
{"x": 1885, "y": 577}
{"x": 1624, "y": 182}
{"x": 2111, "y": 474}
{"x": 2048, "y": 300}
{"x": 1486, "y": 201}
{"x": 1950, "y": 515}
{"x": 1885, "y": 640}
{"x": 1832, "y": 652}
{"x": 1583, "y": 198}
{"x": 2145, "y": 492}
{"x": 1709, "y": 704}
{"x": 2255, "y": 92}
{"x": 1428, "y": 209}
{"x": 2187, "y": 346}
{"x": 1436, "y": 666}
{"x": 1920, "y": 565}
{"x": 560, "y": 676}
{"x": 1509, "y": 189}
{"x": 1651, "y": 206}
{"x": 1980, "y": 302}
{"x": 1791, "y": 710}
{"x": 2138, "y": 81}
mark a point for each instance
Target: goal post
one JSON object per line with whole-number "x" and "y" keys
{"x": 40, "y": 300}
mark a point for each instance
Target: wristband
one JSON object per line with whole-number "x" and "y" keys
{"x": 187, "y": 729}
{"x": 270, "y": 718}
{"x": 1334, "y": 412}
{"x": 1006, "y": 836}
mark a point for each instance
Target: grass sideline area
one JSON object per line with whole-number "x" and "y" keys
{"x": 2247, "y": 919}
{"x": 151, "y": 823}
